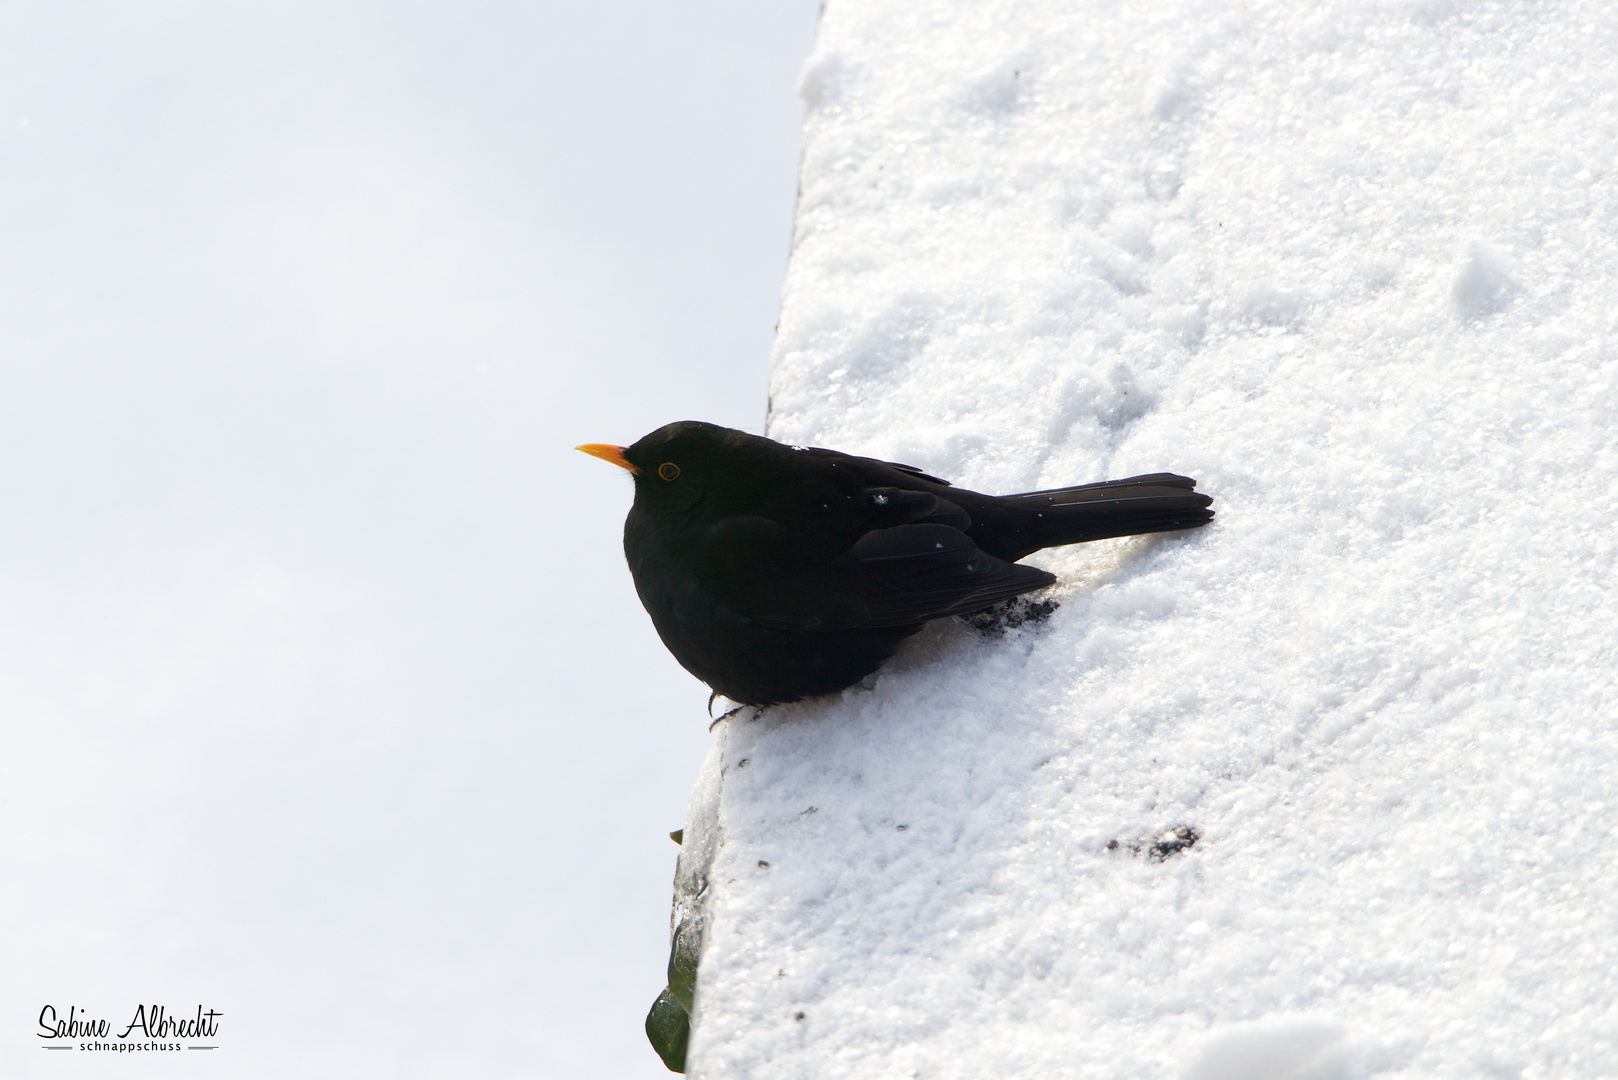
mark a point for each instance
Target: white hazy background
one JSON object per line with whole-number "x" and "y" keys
{"x": 326, "y": 699}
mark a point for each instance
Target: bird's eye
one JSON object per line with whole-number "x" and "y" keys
{"x": 668, "y": 470}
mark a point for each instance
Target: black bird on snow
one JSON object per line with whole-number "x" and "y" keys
{"x": 775, "y": 573}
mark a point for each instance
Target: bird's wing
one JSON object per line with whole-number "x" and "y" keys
{"x": 911, "y": 573}
{"x": 855, "y": 460}
{"x": 888, "y": 506}
{"x": 913, "y": 471}
{"x": 890, "y": 577}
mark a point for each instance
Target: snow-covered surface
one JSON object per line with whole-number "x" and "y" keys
{"x": 1354, "y": 267}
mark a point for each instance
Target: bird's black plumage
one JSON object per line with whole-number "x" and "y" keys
{"x": 774, "y": 572}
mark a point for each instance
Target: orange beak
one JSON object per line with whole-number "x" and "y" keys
{"x": 608, "y": 452}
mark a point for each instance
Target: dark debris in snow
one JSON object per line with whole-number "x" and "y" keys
{"x": 1017, "y": 611}
{"x": 1161, "y": 846}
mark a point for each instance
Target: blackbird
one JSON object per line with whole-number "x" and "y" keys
{"x": 775, "y": 572}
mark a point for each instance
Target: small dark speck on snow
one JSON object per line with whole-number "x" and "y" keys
{"x": 1160, "y": 847}
{"x": 1172, "y": 842}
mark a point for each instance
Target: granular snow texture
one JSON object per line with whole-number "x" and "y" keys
{"x": 1354, "y": 266}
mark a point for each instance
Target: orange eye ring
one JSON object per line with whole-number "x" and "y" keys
{"x": 668, "y": 470}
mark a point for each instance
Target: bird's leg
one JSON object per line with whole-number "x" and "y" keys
{"x": 726, "y": 716}
{"x": 711, "y": 698}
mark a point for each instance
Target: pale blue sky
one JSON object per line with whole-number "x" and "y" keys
{"x": 326, "y": 697}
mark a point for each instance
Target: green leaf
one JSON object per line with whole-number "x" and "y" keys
{"x": 669, "y": 1029}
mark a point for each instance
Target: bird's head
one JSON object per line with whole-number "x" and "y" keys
{"x": 675, "y": 464}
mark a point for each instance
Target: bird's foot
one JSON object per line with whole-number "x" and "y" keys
{"x": 758, "y": 711}
{"x": 726, "y": 716}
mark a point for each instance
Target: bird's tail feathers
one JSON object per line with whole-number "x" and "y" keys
{"x": 1156, "y": 502}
